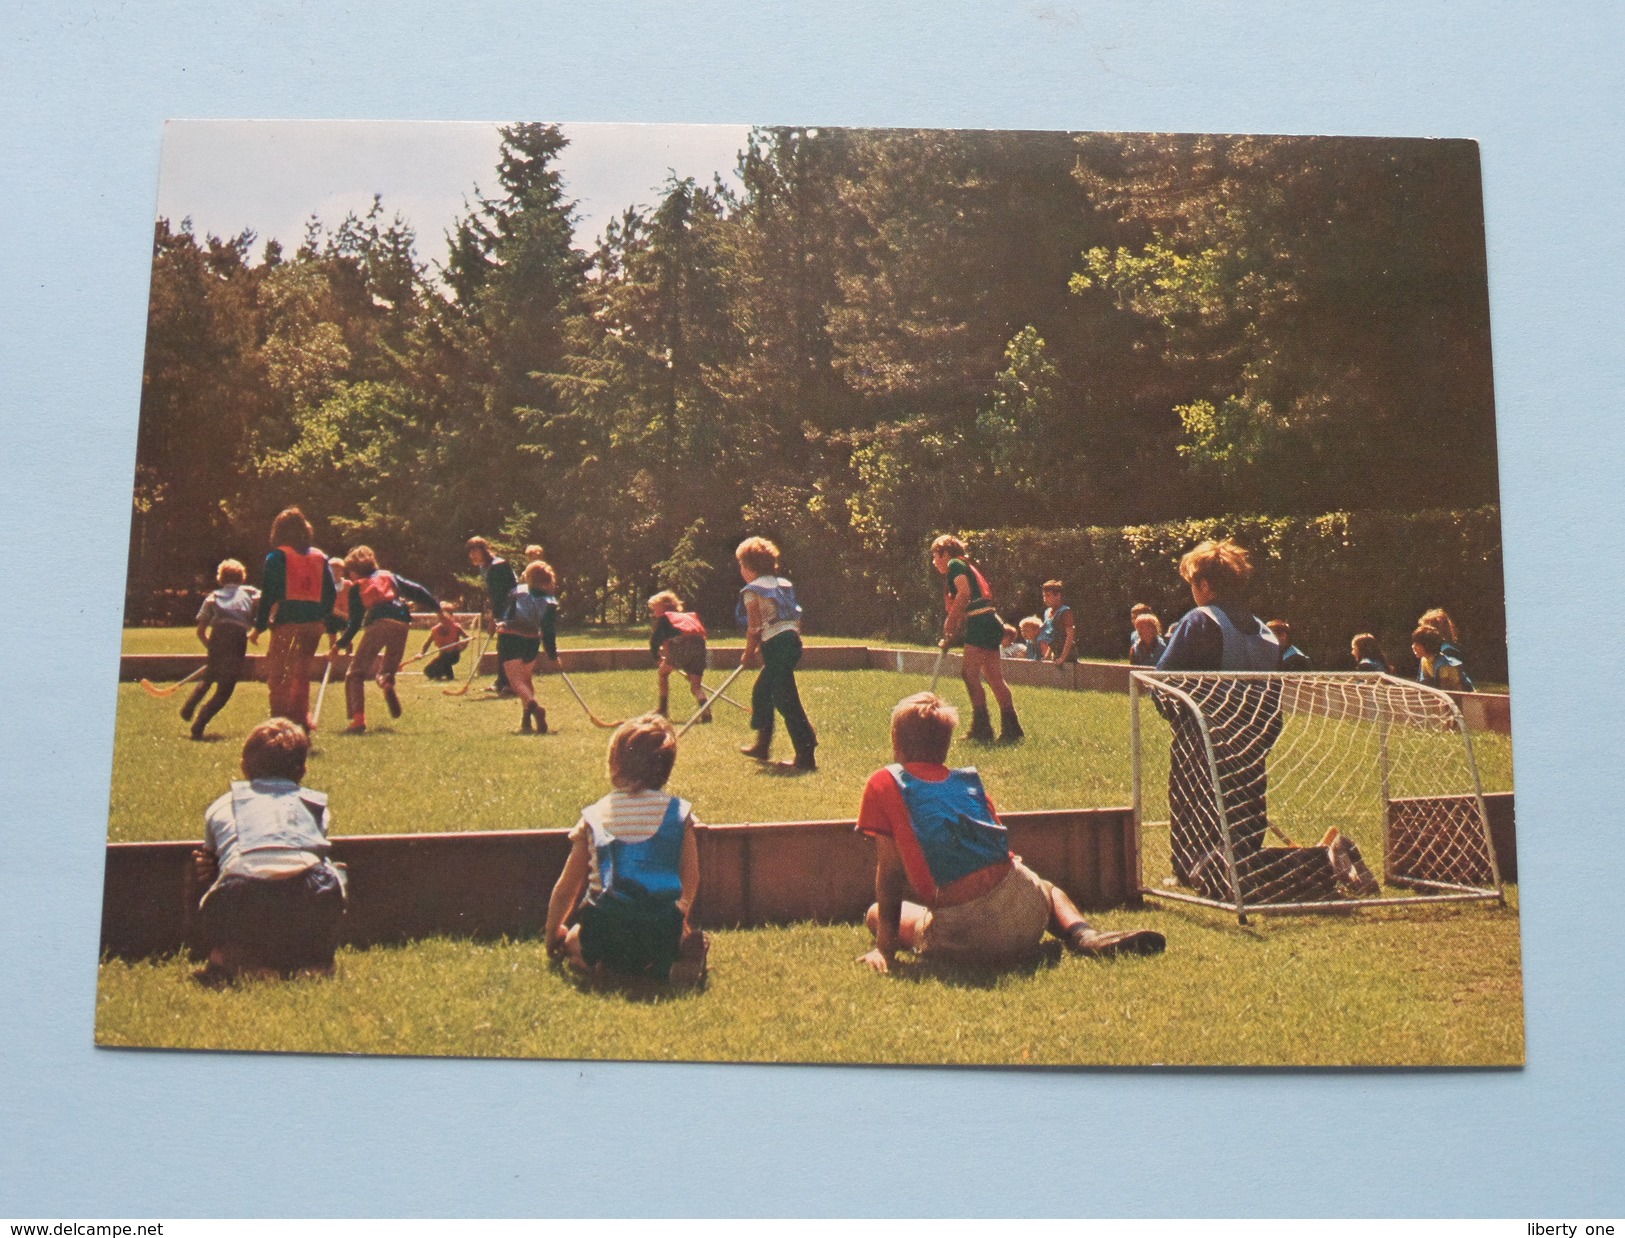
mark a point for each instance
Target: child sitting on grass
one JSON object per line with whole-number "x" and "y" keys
{"x": 677, "y": 643}
{"x": 938, "y": 838}
{"x": 449, "y": 637}
{"x": 222, "y": 626}
{"x": 633, "y": 871}
{"x": 274, "y": 900}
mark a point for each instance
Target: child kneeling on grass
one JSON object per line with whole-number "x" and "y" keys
{"x": 938, "y": 838}
{"x": 633, "y": 871}
{"x": 274, "y": 900}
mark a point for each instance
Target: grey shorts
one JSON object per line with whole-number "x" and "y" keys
{"x": 1006, "y": 922}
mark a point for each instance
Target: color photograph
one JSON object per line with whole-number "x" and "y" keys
{"x": 691, "y": 593}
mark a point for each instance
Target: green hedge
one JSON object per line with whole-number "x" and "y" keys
{"x": 1330, "y": 576}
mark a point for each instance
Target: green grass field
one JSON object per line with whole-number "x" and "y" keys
{"x": 1423, "y": 986}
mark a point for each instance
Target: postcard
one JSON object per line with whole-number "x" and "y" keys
{"x": 803, "y": 594}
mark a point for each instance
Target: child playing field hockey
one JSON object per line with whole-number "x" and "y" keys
{"x": 500, "y": 581}
{"x": 633, "y": 871}
{"x": 972, "y": 616}
{"x": 1148, "y": 644}
{"x": 222, "y": 626}
{"x": 1435, "y": 667}
{"x": 296, "y": 596}
{"x": 677, "y": 643}
{"x": 380, "y": 609}
{"x": 1058, "y": 636}
{"x": 939, "y": 841}
{"x": 449, "y": 637}
{"x": 772, "y": 620}
{"x": 274, "y": 900}
{"x": 529, "y": 625}
{"x": 339, "y": 618}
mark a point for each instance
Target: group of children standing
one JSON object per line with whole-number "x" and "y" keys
{"x": 304, "y": 595}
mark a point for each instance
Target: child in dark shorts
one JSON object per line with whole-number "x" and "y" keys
{"x": 274, "y": 901}
{"x": 633, "y": 870}
{"x": 677, "y": 643}
{"x": 222, "y": 626}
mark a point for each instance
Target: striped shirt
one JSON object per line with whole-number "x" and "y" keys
{"x": 631, "y": 816}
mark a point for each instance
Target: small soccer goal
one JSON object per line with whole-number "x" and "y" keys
{"x": 1305, "y": 792}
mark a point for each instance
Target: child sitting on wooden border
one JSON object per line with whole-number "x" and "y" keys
{"x": 938, "y": 838}
{"x": 274, "y": 900}
{"x": 633, "y": 870}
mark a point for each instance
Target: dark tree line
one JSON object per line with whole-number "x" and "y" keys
{"x": 876, "y": 336}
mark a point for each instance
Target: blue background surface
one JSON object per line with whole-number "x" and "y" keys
{"x": 84, "y": 89}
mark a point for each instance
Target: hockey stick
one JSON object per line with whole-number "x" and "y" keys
{"x": 321, "y": 692}
{"x": 418, "y": 657}
{"x": 712, "y": 697}
{"x": 154, "y": 690}
{"x": 738, "y": 670}
{"x": 473, "y": 669}
{"x": 591, "y": 717}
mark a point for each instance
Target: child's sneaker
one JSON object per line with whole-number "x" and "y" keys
{"x": 1349, "y": 867}
{"x": 1081, "y": 939}
{"x": 691, "y": 966}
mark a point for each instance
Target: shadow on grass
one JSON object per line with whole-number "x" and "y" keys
{"x": 643, "y": 990}
{"x": 967, "y": 975}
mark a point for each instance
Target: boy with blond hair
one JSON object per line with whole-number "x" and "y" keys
{"x": 677, "y": 643}
{"x": 633, "y": 870}
{"x": 938, "y": 838}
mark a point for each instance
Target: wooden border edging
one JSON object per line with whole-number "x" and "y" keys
{"x": 496, "y": 883}
{"x": 1482, "y": 711}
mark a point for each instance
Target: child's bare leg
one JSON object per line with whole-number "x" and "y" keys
{"x": 696, "y": 685}
{"x": 970, "y": 670}
{"x": 519, "y": 679}
{"x": 995, "y": 679}
{"x": 908, "y": 924}
{"x": 663, "y": 674}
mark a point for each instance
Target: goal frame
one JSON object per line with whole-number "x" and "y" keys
{"x": 1141, "y": 683}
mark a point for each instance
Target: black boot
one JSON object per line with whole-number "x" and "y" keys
{"x": 760, "y": 750}
{"x": 540, "y": 715}
{"x": 1010, "y": 726}
{"x": 981, "y": 726}
{"x": 524, "y": 721}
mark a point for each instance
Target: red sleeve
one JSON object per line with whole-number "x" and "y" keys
{"x": 882, "y": 807}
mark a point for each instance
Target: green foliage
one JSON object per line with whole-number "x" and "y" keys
{"x": 1330, "y": 576}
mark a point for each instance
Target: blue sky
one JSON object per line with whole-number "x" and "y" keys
{"x": 270, "y": 176}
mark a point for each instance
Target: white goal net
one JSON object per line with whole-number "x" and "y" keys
{"x": 1305, "y": 791}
